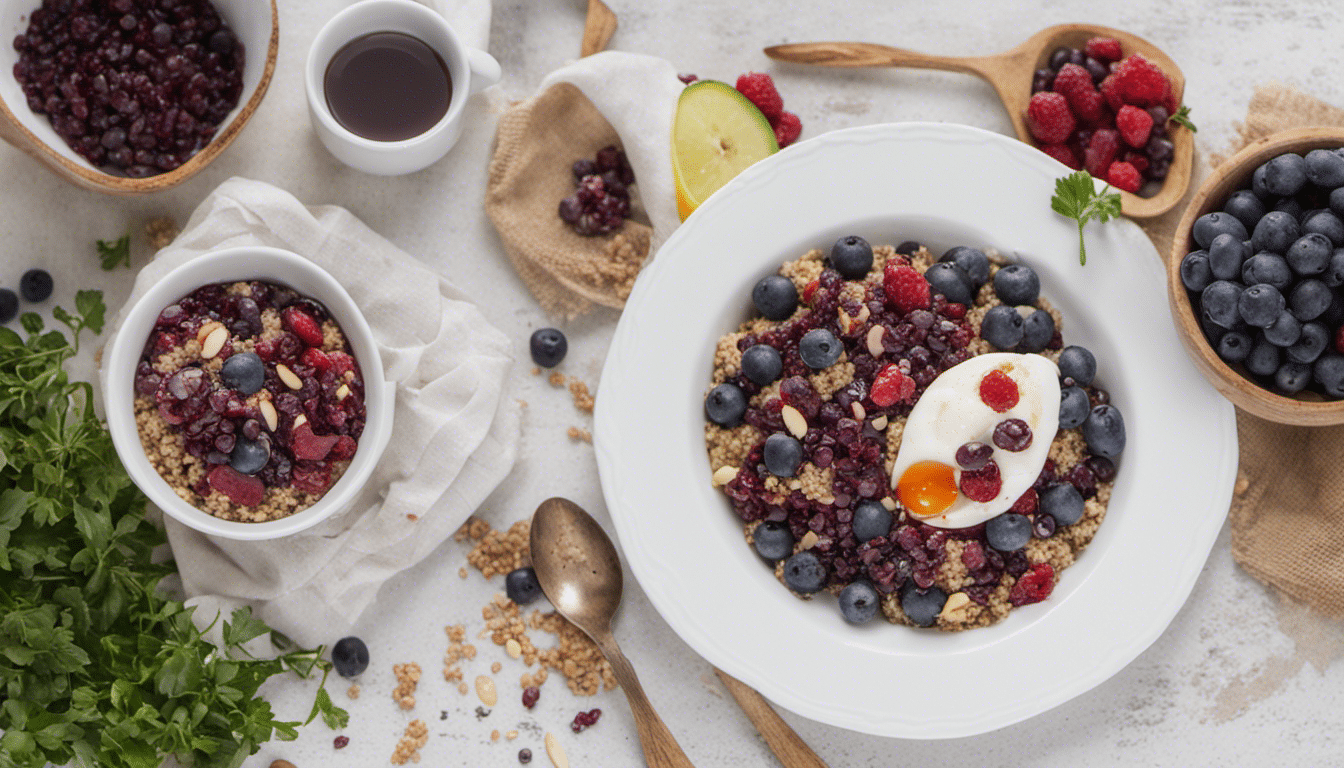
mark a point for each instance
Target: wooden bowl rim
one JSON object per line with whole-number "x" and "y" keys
{"x": 1233, "y": 174}
{"x": 121, "y": 185}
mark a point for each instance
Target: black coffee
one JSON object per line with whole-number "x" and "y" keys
{"x": 387, "y": 86}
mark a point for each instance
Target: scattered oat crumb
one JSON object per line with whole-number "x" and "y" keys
{"x": 408, "y": 677}
{"x": 353, "y": 691}
{"x": 511, "y": 735}
{"x": 161, "y": 231}
{"x": 578, "y": 433}
{"x": 458, "y": 649}
{"x": 462, "y": 572}
{"x": 408, "y": 749}
{"x": 582, "y": 399}
{"x": 536, "y": 370}
{"x": 462, "y": 688}
{"x": 412, "y": 516}
{"x": 557, "y": 379}
{"x": 502, "y": 551}
{"x": 494, "y": 668}
{"x": 494, "y": 735}
{"x": 474, "y": 528}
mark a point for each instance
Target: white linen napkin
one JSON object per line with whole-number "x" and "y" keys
{"x": 454, "y": 437}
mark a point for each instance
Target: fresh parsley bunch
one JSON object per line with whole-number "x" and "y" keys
{"x": 97, "y": 668}
{"x": 1077, "y": 198}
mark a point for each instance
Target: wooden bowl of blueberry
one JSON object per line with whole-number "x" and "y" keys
{"x": 1256, "y": 277}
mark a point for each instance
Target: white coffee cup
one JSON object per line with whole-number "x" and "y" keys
{"x": 470, "y": 70}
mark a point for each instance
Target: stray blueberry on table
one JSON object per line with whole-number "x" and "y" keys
{"x": 1073, "y": 407}
{"x": 725, "y": 404}
{"x": 1104, "y": 431}
{"x": 1008, "y": 532}
{"x": 521, "y": 586}
{"x": 244, "y": 372}
{"x": 951, "y": 281}
{"x": 1063, "y": 502}
{"x": 1077, "y": 363}
{"x": 762, "y": 364}
{"x": 852, "y": 257}
{"x": 775, "y": 297}
{"x": 1017, "y": 284}
{"x": 1002, "y": 326}
{"x": 548, "y": 347}
{"x": 819, "y": 348}
{"x": 35, "y": 285}
{"x": 772, "y": 540}
{"x": 350, "y": 656}
{"x": 1037, "y": 330}
{"x": 859, "y": 602}
{"x": 871, "y": 520}
{"x": 783, "y": 454}
{"x": 804, "y": 573}
{"x": 972, "y": 261}
{"x": 9, "y": 305}
{"x": 922, "y": 606}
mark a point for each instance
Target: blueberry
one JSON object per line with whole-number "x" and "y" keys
{"x": 521, "y": 586}
{"x": 819, "y": 348}
{"x": 972, "y": 260}
{"x": 783, "y": 454}
{"x": 1073, "y": 407}
{"x": 772, "y": 540}
{"x": 1244, "y": 205}
{"x": 1337, "y": 201}
{"x": 1275, "y": 231}
{"x": 350, "y": 656}
{"x": 1017, "y": 284}
{"x": 1037, "y": 331}
{"x": 35, "y": 285}
{"x": 951, "y": 281}
{"x": 775, "y": 297}
{"x": 1077, "y": 363}
{"x": 725, "y": 404}
{"x": 1290, "y": 206}
{"x": 922, "y": 606}
{"x": 909, "y": 247}
{"x": 1264, "y": 358}
{"x": 249, "y": 456}
{"x": 859, "y": 602}
{"x": 1326, "y": 223}
{"x": 804, "y": 573}
{"x": 871, "y": 520}
{"x": 1211, "y": 225}
{"x": 1310, "y": 254}
{"x": 1212, "y": 332}
{"x": 244, "y": 372}
{"x": 548, "y": 347}
{"x": 1324, "y": 168}
{"x": 1311, "y": 345}
{"x": 1309, "y": 299}
{"x": 1226, "y": 255}
{"x": 1258, "y": 187}
{"x": 1219, "y": 303}
{"x": 1260, "y": 305}
{"x": 1062, "y": 502}
{"x": 1334, "y": 316}
{"x": 762, "y": 364}
{"x": 9, "y": 305}
{"x": 1269, "y": 268}
{"x": 1333, "y": 276}
{"x": 1104, "y": 431}
{"x": 1291, "y": 377}
{"x": 1329, "y": 371}
{"x": 1285, "y": 331}
{"x": 1234, "y": 346}
{"x": 1002, "y": 326}
{"x": 852, "y": 257}
{"x": 1196, "y": 274}
{"x": 1286, "y": 174}
{"x": 1008, "y": 532}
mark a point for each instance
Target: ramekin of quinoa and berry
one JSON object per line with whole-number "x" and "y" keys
{"x": 245, "y": 395}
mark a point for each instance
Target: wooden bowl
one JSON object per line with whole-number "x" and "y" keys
{"x": 256, "y": 24}
{"x": 1308, "y": 409}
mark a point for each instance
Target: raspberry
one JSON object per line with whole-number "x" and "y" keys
{"x": 303, "y": 326}
{"x": 343, "y": 448}
{"x": 998, "y": 391}
{"x": 759, "y": 88}
{"x": 1049, "y": 118}
{"x": 1110, "y": 90}
{"x": 316, "y": 359}
{"x": 1063, "y": 153}
{"x": 906, "y": 289}
{"x": 1090, "y": 107}
{"x": 1141, "y": 82}
{"x": 1073, "y": 80}
{"x": 787, "y": 128}
{"x": 1124, "y": 176}
{"x": 1033, "y": 586}
{"x": 1101, "y": 151}
{"x": 243, "y": 490}
{"x": 1169, "y": 100}
{"x": 1135, "y": 124}
{"x": 982, "y": 484}
{"x": 1136, "y": 159}
{"x": 891, "y": 386}
{"x": 1103, "y": 49}
{"x": 1027, "y": 503}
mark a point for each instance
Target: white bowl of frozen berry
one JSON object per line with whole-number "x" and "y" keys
{"x": 245, "y": 396}
{"x": 128, "y": 97}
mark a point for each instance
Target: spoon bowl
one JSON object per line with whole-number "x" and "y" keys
{"x": 1010, "y": 73}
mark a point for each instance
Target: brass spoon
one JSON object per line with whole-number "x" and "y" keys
{"x": 580, "y": 573}
{"x": 1010, "y": 74}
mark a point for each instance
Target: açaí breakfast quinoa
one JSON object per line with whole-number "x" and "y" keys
{"x": 809, "y": 412}
{"x": 248, "y": 402}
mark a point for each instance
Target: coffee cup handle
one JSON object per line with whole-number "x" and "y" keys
{"x": 485, "y": 70}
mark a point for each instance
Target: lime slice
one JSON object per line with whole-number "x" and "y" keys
{"x": 717, "y": 133}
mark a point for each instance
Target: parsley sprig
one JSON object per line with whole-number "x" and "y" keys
{"x": 1077, "y": 197}
{"x": 97, "y": 666}
{"x": 1182, "y": 117}
{"x": 115, "y": 253}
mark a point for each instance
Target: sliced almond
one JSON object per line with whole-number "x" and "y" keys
{"x": 556, "y": 752}
{"x": 845, "y": 322}
{"x": 794, "y": 421}
{"x": 485, "y": 690}
{"x": 268, "y": 414}
{"x": 809, "y": 540}
{"x": 827, "y": 499}
{"x": 342, "y": 392}
{"x": 863, "y": 313}
{"x": 880, "y": 423}
{"x": 513, "y": 648}
{"x": 955, "y": 602}
{"x": 858, "y": 410}
{"x": 875, "y": 347}
{"x": 724, "y": 475}
{"x": 889, "y": 503}
{"x": 214, "y": 342}
{"x": 206, "y": 330}
{"x": 299, "y": 421}
{"x": 290, "y": 378}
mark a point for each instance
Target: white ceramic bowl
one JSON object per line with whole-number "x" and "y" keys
{"x": 245, "y": 263}
{"x": 254, "y": 22}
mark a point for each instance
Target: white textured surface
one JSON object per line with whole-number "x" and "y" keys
{"x": 1237, "y": 679}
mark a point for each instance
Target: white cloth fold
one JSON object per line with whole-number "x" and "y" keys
{"x": 454, "y": 437}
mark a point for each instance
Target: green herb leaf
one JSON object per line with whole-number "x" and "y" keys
{"x": 115, "y": 253}
{"x": 1076, "y": 197}
{"x": 1182, "y": 117}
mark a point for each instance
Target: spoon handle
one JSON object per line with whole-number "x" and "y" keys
{"x": 787, "y": 745}
{"x": 660, "y": 748}
{"x": 875, "y": 55}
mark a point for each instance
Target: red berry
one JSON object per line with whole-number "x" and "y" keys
{"x": 759, "y": 88}
{"x": 1033, "y": 586}
{"x": 244, "y": 490}
{"x": 1169, "y": 100}
{"x": 1049, "y": 118}
{"x": 316, "y": 479}
{"x": 1110, "y": 90}
{"x": 1101, "y": 151}
{"x": 1027, "y": 503}
{"x": 982, "y": 484}
{"x": 687, "y": 78}
{"x": 1124, "y": 176}
{"x": 1090, "y": 108}
{"x": 809, "y": 290}
{"x": 341, "y": 362}
{"x": 906, "y": 289}
{"x": 1135, "y": 124}
{"x": 1071, "y": 81}
{"x": 302, "y": 325}
{"x": 1103, "y": 49}
{"x": 891, "y": 386}
{"x": 787, "y": 129}
{"x": 998, "y": 391}
{"x": 1339, "y": 340}
{"x": 343, "y": 448}
{"x": 316, "y": 359}
{"x": 340, "y": 742}
{"x": 1141, "y": 82}
{"x": 1136, "y": 159}
{"x": 311, "y": 447}
{"x": 1063, "y": 153}
{"x": 530, "y": 696}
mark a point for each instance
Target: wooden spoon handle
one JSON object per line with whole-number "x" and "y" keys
{"x": 598, "y": 29}
{"x": 787, "y": 745}
{"x": 875, "y": 55}
{"x": 660, "y": 747}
